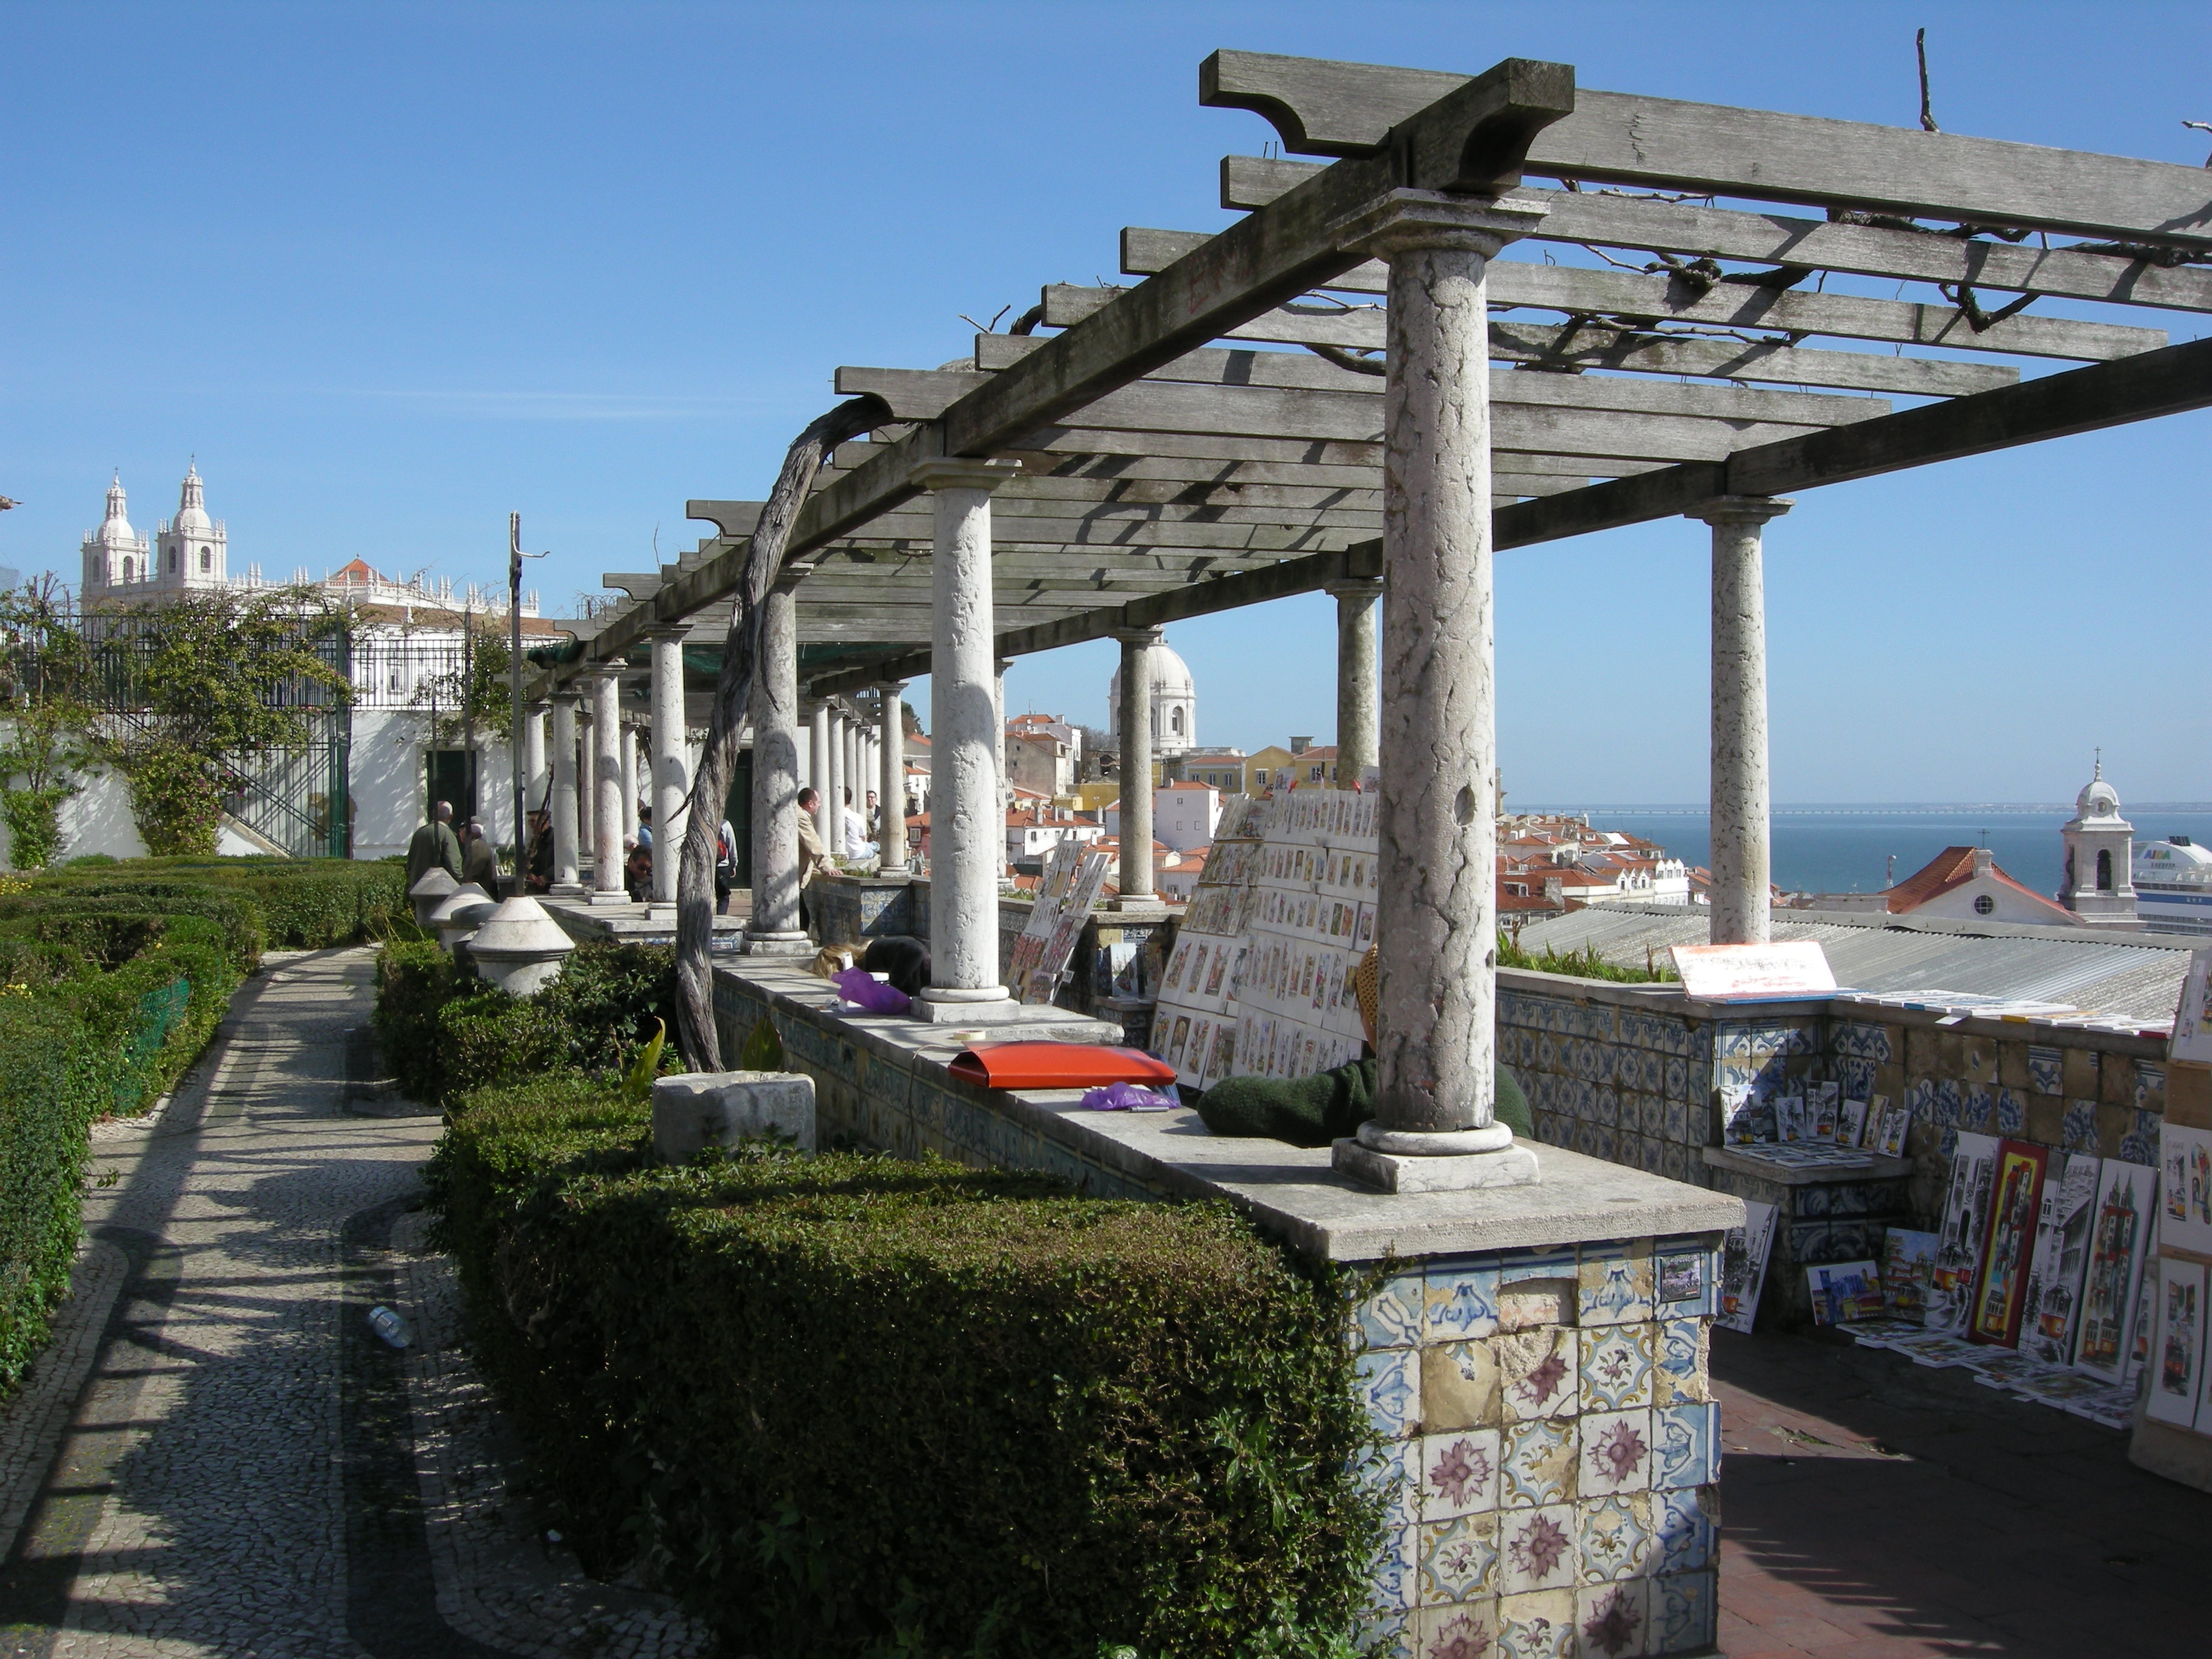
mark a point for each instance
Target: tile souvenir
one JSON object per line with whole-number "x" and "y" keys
{"x": 1820, "y": 1112}
{"x": 1683, "y": 1280}
{"x": 1537, "y": 1463}
{"x": 2185, "y": 1160}
{"x": 2127, "y": 1198}
{"x": 1539, "y": 1624}
{"x": 1458, "y": 1473}
{"x": 1682, "y": 1532}
{"x": 1686, "y": 1443}
{"x": 1685, "y": 1613}
{"x": 1616, "y": 1284}
{"x": 1908, "y": 1263}
{"x": 1790, "y": 1122}
{"x": 1389, "y": 1386}
{"x": 1743, "y": 1266}
{"x": 1958, "y": 1245}
{"x": 1896, "y": 1125}
{"x": 1852, "y": 1123}
{"x": 1616, "y": 1453}
{"x": 1680, "y": 1377}
{"x": 2001, "y": 1288}
{"x": 1458, "y": 1559}
{"x": 1845, "y": 1292}
{"x": 2061, "y": 1258}
{"x": 1614, "y": 1621}
{"x": 1536, "y": 1549}
{"x": 1616, "y": 1538}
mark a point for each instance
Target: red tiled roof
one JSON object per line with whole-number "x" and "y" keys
{"x": 1951, "y": 868}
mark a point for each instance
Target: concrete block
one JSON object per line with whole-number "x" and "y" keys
{"x": 697, "y": 1109}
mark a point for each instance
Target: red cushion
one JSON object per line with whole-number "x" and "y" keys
{"x": 1056, "y": 1065}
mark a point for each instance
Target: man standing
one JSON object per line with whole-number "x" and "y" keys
{"x": 434, "y": 845}
{"x": 479, "y": 864}
{"x": 813, "y": 858}
{"x": 854, "y": 834}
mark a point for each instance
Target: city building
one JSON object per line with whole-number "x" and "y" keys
{"x": 1961, "y": 884}
{"x": 1036, "y": 824}
{"x": 1221, "y": 767}
{"x": 1174, "y": 702}
{"x": 1184, "y": 816}
{"x": 2098, "y": 886}
{"x": 1044, "y": 753}
{"x": 1175, "y": 877}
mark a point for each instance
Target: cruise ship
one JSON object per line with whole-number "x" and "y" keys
{"x": 2173, "y": 885}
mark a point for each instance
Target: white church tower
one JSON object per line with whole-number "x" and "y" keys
{"x": 1174, "y": 702}
{"x": 193, "y": 550}
{"x": 2099, "y": 843}
{"x": 115, "y": 557}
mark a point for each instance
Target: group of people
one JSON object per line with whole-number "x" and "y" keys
{"x": 470, "y": 856}
{"x": 466, "y": 857}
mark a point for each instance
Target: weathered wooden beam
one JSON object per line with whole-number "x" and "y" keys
{"x": 1698, "y": 230}
{"x": 1326, "y": 108}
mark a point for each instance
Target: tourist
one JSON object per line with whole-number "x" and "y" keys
{"x": 434, "y": 845}
{"x": 479, "y": 864}
{"x": 645, "y": 823}
{"x": 537, "y": 873}
{"x": 726, "y": 867}
{"x": 637, "y": 874}
{"x": 813, "y": 857}
{"x": 858, "y": 849}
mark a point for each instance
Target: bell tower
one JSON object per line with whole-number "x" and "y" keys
{"x": 193, "y": 549}
{"x": 2100, "y": 849}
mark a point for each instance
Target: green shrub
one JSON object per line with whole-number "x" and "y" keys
{"x": 1584, "y": 964}
{"x": 235, "y": 914}
{"x": 149, "y": 1019}
{"x": 852, "y": 1406}
{"x": 48, "y": 1082}
{"x": 299, "y": 904}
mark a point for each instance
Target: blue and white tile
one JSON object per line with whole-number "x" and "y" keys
{"x": 1537, "y": 1463}
{"x": 1675, "y": 1160}
{"x": 2077, "y": 1131}
{"x": 1458, "y": 1473}
{"x": 1676, "y": 1124}
{"x": 1686, "y": 1445}
{"x": 1615, "y": 1365}
{"x": 2012, "y": 1112}
{"x": 1389, "y": 1316}
{"x": 1459, "y": 1301}
{"x": 1394, "y": 1575}
{"x": 1390, "y": 1389}
{"x": 1391, "y": 1472}
{"x": 1683, "y": 1535}
{"x": 2046, "y": 1070}
{"x": 1685, "y": 1613}
{"x": 1616, "y": 1540}
{"x": 1650, "y": 1152}
{"x": 1459, "y": 1559}
{"x": 1614, "y": 1621}
{"x": 1616, "y": 1284}
{"x": 1536, "y": 1549}
{"x": 1678, "y": 1374}
{"x": 1616, "y": 1453}
{"x": 1977, "y": 1108}
{"x": 1539, "y": 1624}
{"x": 1677, "y": 1085}
{"x": 1387, "y": 1633}
{"x": 2150, "y": 1079}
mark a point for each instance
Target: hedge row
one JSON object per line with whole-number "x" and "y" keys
{"x": 50, "y": 1088}
{"x": 851, "y": 1405}
{"x": 300, "y": 904}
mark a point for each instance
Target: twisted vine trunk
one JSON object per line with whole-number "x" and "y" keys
{"x": 710, "y": 786}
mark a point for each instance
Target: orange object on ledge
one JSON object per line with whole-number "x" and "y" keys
{"x": 1055, "y": 1066}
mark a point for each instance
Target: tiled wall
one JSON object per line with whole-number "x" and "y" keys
{"x": 1554, "y": 1451}
{"x": 1630, "y": 1086}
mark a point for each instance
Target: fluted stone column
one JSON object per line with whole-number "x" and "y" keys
{"x": 1358, "y": 694}
{"x": 773, "y": 929}
{"x": 968, "y": 822}
{"x": 629, "y": 781}
{"x": 817, "y": 768}
{"x": 586, "y": 771}
{"x": 1742, "y": 804}
{"x": 998, "y": 716}
{"x": 1135, "y": 879}
{"x": 671, "y": 763}
{"x": 606, "y": 788}
{"x": 891, "y": 781}
{"x": 567, "y": 863}
{"x": 534, "y": 781}
{"x": 833, "y": 834}
{"x": 1436, "y": 1123}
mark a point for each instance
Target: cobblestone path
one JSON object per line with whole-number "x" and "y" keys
{"x": 216, "y": 1456}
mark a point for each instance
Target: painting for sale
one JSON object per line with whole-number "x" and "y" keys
{"x": 2001, "y": 1288}
{"x": 2104, "y": 1340}
{"x": 1959, "y": 1241}
{"x": 2178, "y": 1351}
{"x": 2062, "y": 1257}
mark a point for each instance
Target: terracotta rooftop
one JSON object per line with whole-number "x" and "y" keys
{"x": 1954, "y": 867}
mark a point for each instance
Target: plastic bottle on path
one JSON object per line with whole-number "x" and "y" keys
{"x": 391, "y": 1326}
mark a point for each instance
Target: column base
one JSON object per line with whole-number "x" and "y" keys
{"x": 989, "y": 1006}
{"x": 776, "y": 945}
{"x": 660, "y": 910}
{"x": 1134, "y": 902}
{"x": 565, "y": 889}
{"x": 1513, "y": 1165}
{"x": 607, "y": 901}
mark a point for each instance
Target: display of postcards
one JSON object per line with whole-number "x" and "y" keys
{"x": 1806, "y": 1155}
{"x": 2186, "y": 1157}
{"x": 1364, "y": 936}
{"x": 1741, "y": 1114}
{"x": 1216, "y": 971}
{"x": 1936, "y": 1349}
{"x": 2140, "y": 1335}
{"x": 1743, "y": 1266}
{"x": 2192, "y": 1017}
{"x": 2061, "y": 1257}
{"x": 1178, "y": 959}
{"x": 1852, "y": 1123}
{"x": 1879, "y": 1332}
{"x": 1176, "y": 1031}
{"x": 2127, "y": 1198}
{"x": 1844, "y": 1291}
{"x": 1789, "y": 1118}
{"x": 2002, "y": 1368}
{"x": 2009, "y": 1243}
{"x": 1218, "y": 1063}
{"x": 1966, "y": 1219}
{"x": 2177, "y": 1360}
{"x": 1896, "y": 1125}
{"x": 1908, "y": 1265}
{"x": 1821, "y": 1111}
{"x": 1193, "y": 1069}
{"x": 2053, "y": 1387}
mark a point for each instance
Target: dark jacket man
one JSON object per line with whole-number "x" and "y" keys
{"x": 433, "y": 846}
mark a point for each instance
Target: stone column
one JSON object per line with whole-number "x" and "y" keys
{"x": 818, "y": 768}
{"x": 1135, "y": 880}
{"x": 774, "y": 928}
{"x": 566, "y": 857}
{"x": 890, "y": 775}
{"x": 534, "y": 781}
{"x": 833, "y": 793}
{"x": 1740, "y": 802}
{"x": 630, "y": 779}
{"x": 671, "y": 767}
{"x": 998, "y": 716}
{"x": 1436, "y": 1040}
{"x": 968, "y": 823}
{"x": 586, "y": 798}
{"x": 606, "y": 788}
{"x": 1358, "y": 712}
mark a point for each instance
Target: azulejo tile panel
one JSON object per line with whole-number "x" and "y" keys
{"x": 1615, "y": 1362}
{"x": 1539, "y": 1624}
{"x": 1683, "y": 1533}
{"x": 1686, "y": 1445}
{"x": 1537, "y": 1371}
{"x": 1459, "y": 1474}
{"x": 1537, "y": 1549}
{"x": 1461, "y": 1630}
{"x": 1616, "y": 1284}
{"x": 1537, "y": 1464}
{"x": 1389, "y": 1386}
{"x": 1616, "y": 1541}
{"x": 1685, "y": 1613}
{"x": 1614, "y": 1621}
{"x": 1459, "y": 1300}
{"x": 1389, "y": 1315}
{"x": 1616, "y": 1452}
{"x": 1459, "y": 1559}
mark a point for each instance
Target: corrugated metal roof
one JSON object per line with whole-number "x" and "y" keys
{"x": 2133, "y": 977}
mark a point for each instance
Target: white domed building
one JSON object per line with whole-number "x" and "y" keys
{"x": 192, "y": 550}
{"x": 116, "y": 556}
{"x": 2100, "y": 844}
{"x": 1174, "y": 701}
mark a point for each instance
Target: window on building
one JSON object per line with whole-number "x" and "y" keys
{"x": 1175, "y": 722}
{"x": 1983, "y": 904}
{"x": 2105, "y": 870}
{"x": 207, "y": 559}
{"x": 172, "y": 561}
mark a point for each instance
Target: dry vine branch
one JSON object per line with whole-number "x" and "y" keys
{"x": 695, "y": 884}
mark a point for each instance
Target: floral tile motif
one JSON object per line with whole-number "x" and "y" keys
{"x": 1539, "y": 1624}
{"x": 1537, "y": 1372}
{"x": 1649, "y": 1151}
{"x": 1536, "y": 1464}
{"x": 1679, "y": 1375}
{"x": 1464, "y": 1631}
{"x": 1678, "y": 1078}
{"x": 2046, "y": 1070}
{"x": 1458, "y": 1473}
{"x": 1389, "y": 1386}
{"x": 1686, "y": 1445}
{"x": 1536, "y": 1549}
{"x": 1459, "y": 1559}
{"x": 1609, "y": 1107}
{"x": 1682, "y": 1532}
{"x": 1616, "y": 1539}
{"x": 1390, "y": 1316}
{"x": 1977, "y": 1108}
{"x": 1674, "y": 1161}
{"x": 1616, "y": 1285}
{"x": 1458, "y": 1302}
{"x": 1616, "y": 1363}
{"x": 2077, "y": 1133}
{"x": 1616, "y": 1452}
{"x": 1614, "y": 1621}
{"x": 1685, "y": 1613}
{"x": 1675, "y": 1124}
{"x": 2012, "y": 1112}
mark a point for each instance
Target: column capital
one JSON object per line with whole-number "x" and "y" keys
{"x": 1141, "y": 635}
{"x": 892, "y": 687}
{"x": 666, "y": 633}
{"x": 1409, "y": 221}
{"x": 1740, "y": 509}
{"x": 1355, "y": 587}
{"x": 962, "y": 472}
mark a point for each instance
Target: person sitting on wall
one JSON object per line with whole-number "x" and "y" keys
{"x": 479, "y": 863}
{"x": 637, "y": 874}
{"x": 813, "y": 857}
{"x": 537, "y": 872}
{"x": 1316, "y": 1110}
{"x": 857, "y": 848}
{"x": 433, "y": 846}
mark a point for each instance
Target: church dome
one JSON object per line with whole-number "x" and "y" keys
{"x": 191, "y": 509}
{"x": 1170, "y": 677}
{"x": 115, "y": 529}
{"x": 2097, "y": 799}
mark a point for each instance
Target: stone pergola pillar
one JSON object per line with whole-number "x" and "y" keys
{"x": 833, "y": 835}
{"x": 534, "y": 781}
{"x": 891, "y": 783}
{"x": 817, "y": 768}
{"x": 629, "y": 778}
{"x": 606, "y": 788}
{"x": 567, "y": 856}
{"x": 587, "y": 800}
{"x": 1135, "y": 877}
{"x": 968, "y": 823}
{"x": 1357, "y": 710}
{"x": 773, "y": 929}
{"x": 998, "y": 716}
{"x": 1435, "y": 1109}
{"x": 672, "y": 762}
{"x": 1741, "y": 803}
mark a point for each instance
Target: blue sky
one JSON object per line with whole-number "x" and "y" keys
{"x": 391, "y": 271}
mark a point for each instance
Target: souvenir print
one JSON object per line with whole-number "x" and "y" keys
{"x": 1845, "y": 1292}
{"x": 1908, "y": 1265}
{"x": 2185, "y": 1157}
{"x": 2119, "y": 1230}
{"x": 2178, "y": 1353}
{"x": 1896, "y": 1125}
{"x": 2001, "y": 1293}
{"x": 1959, "y": 1243}
{"x": 1743, "y": 1266}
{"x": 2061, "y": 1256}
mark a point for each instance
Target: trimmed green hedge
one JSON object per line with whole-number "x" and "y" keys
{"x": 295, "y": 903}
{"x": 851, "y": 1405}
{"x": 445, "y": 1032}
{"x": 49, "y": 1090}
{"x": 237, "y": 915}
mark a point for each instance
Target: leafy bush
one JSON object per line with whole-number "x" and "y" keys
{"x": 33, "y": 818}
{"x": 48, "y": 1084}
{"x": 148, "y": 1019}
{"x": 300, "y": 904}
{"x": 1584, "y": 964}
{"x": 237, "y": 916}
{"x": 854, "y": 1405}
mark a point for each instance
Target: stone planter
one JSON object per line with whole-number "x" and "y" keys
{"x": 435, "y": 888}
{"x": 462, "y": 911}
{"x": 519, "y": 948}
{"x": 696, "y": 1109}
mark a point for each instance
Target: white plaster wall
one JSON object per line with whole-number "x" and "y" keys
{"x": 386, "y": 782}
{"x": 1958, "y": 905}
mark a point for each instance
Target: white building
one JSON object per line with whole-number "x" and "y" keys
{"x": 1035, "y": 825}
{"x": 1184, "y": 816}
{"x": 1174, "y": 702}
{"x": 2097, "y": 886}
